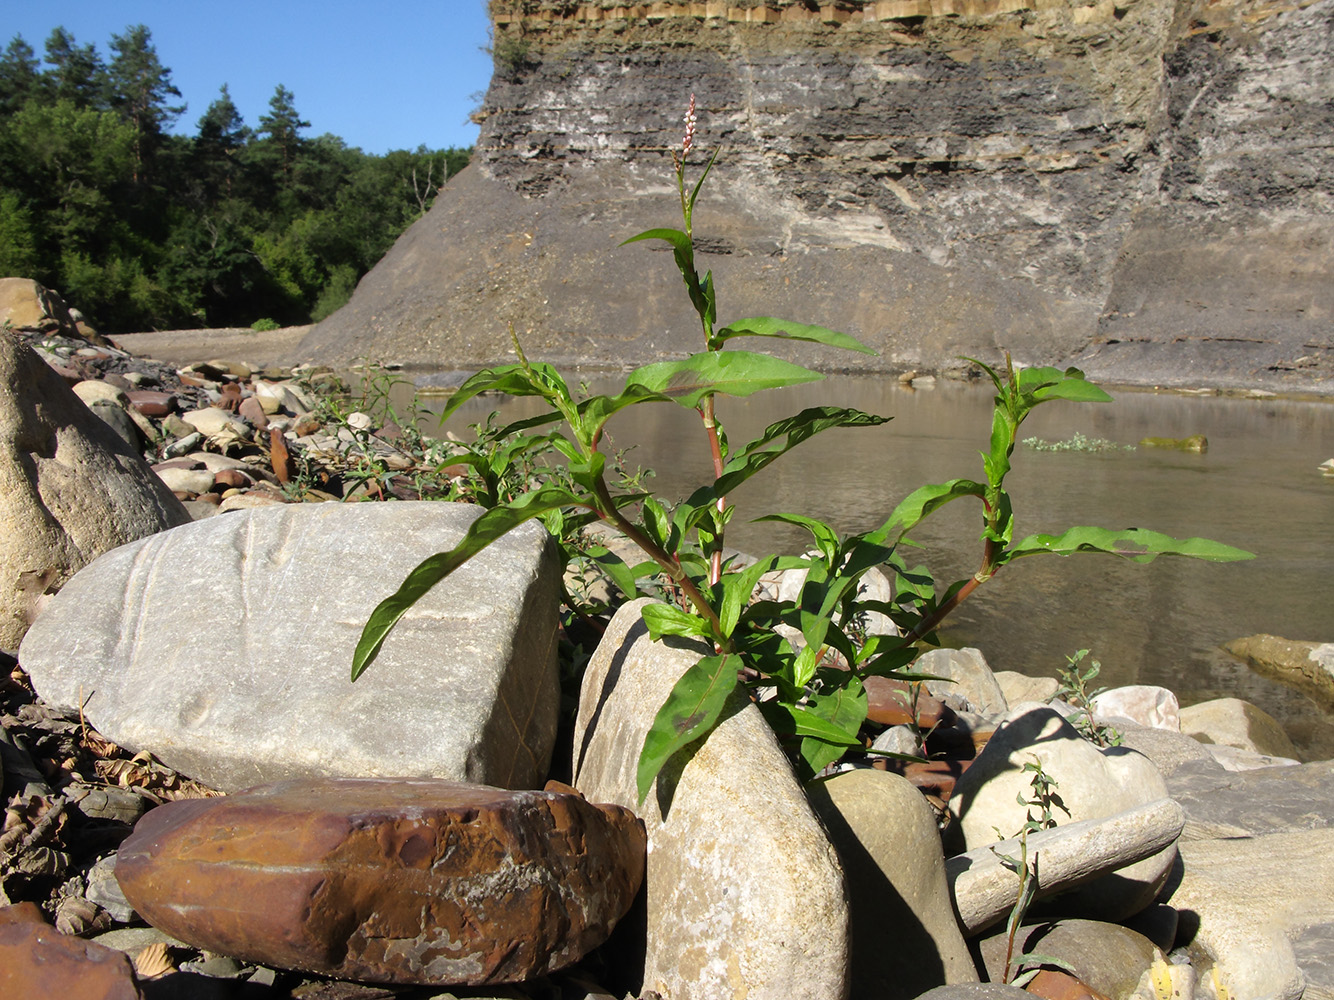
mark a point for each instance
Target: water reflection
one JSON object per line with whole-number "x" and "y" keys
{"x": 1257, "y": 487}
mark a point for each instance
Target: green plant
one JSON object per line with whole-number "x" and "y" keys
{"x": 1042, "y": 797}
{"x": 265, "y": 325}
{"x": 813, "y": 685}
{"x": 1074, "y": 690}
{"x": 1076, "y": 442}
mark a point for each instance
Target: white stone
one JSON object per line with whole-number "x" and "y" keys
{"x": 744, "y": 892}
{"x": 1069, "y": 855}
{"x": 969, "y": 678}
{"x": 224, "y": 648}
{"x": 1092, "y": 783}
{"x": 1144, "y": 704}
{"x": 212, "y": 421}
{"x": 186, "y": 480}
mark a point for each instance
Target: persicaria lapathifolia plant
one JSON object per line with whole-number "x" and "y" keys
{"x": 813, "y": 670}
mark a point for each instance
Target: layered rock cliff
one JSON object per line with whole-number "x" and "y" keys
{"x": 1144, "y": 185}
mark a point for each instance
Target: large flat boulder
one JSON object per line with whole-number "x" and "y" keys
{"x": 410, "y": 881}
{"x": 743, "y": 890}
{"x": 224, "y": 648}
{"x": 70, "y": 488}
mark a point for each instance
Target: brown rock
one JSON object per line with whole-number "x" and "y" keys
{"x": 890, "y": 703}
{"x": 22, "y": 913}
{"x": 151, "y": 402}
{"x": 230, "y": 399}
{"x": 279, "y": 457}
{"x": 38, "y": 961}
{"x": 409, "y": 880}
{"x": 1056, "y": 985}
{"x": 251, "y": 410}
{"x": 232, "y": 479}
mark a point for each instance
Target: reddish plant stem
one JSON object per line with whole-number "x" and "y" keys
{"x": 715, "y": 447}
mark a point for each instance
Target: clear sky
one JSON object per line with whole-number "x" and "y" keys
{"x": 392, "y": 74}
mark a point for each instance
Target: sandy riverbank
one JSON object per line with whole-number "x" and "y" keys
{"x": 183, "y": 347}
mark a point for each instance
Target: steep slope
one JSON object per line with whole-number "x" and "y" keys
{"x": 937, "y": 177}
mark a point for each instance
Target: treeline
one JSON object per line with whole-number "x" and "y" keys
{"x": 141, "y": 229}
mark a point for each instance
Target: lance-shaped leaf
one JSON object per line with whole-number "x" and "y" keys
{"x": 921, "y": 502}
{"x": 683, "y": 251}
{"x": 768, "y": 326}
{"x": 733, "y": 373}
{"x": 493, "y": 524}
{"x": 777, "y": 440}
{"x": 538, "y": 379}
{"x": 664, "y": 619}
{"x": 1138, "y": 544}
{"x": 691, "y": 711}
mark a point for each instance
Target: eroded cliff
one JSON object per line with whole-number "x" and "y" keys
{"x": 1145, "y": 185}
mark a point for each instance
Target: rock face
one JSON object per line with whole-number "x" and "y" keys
{"x": 70, "y": 488}
{"x": 744, "y": 895}
{"x": 36, "y": 960}
{"x": 1143, "y": 186}
{"x": 223, "y": 647}
{"x": 389, "y": 881}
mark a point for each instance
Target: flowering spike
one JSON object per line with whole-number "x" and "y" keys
{"x": 689, "y": 140}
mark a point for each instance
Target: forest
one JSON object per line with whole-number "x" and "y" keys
{"x": 143, "y": 229}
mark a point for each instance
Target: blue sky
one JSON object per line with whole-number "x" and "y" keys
{"x": 390, "y": 75}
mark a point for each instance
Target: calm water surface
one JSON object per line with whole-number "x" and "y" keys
{"x": 1257, "y": 487}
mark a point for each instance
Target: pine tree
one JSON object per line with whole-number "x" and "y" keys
{"x": 139, "y": 87}
{"x": 282, "y": 125}
{"x": 222, "y": 133}
{"x": 20, "y": 76}
{"x": 77, "y": 72}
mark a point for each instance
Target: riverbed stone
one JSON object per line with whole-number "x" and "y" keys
{"x": 1018, "y": 688}
{"x": 1092, "y": 783}
{"x": 1071, "y": 855}
{"x": 70, "y": 488}
{"x": 1307, "y": 666}
{"x": 1248, "y": 899}
{"x": 905, "y": 939}
{"x": 36, "y": 960}
{"x": 968, "y": 681}
{"x": 1236, "y": 723}
{"x": 402, "y": 881}
{"x": 464, "y": 688}
{"x": 744, "y": 893}
{"x": 1255, "y": 803}
{"x": 1108, "y": 957}
{"x": 1146, "y": 705}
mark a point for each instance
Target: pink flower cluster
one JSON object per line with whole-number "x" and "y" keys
{"x": 689, "y": 140}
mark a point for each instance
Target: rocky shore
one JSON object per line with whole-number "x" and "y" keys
{"x": 203, "y": 650}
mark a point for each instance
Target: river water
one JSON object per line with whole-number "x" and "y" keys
{"x": 1258, "y": 487}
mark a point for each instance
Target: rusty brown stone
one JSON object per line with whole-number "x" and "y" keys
{"x": 22, "y": 913}
{"x": 890, "y": 702}
{"x": 382, "y": 880}
{"x": 36, "y": 960}
{"x": 279, "y": 458}
{"x": 1055, "y": 985}
{"x": 152, "y": 403}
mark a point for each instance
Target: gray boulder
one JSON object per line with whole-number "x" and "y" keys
{"x": 743, "y": 892}
{"x": 70, "y": 488}
{"x": 224, "y": 648}
{"x": 1220, "y": 803}
{"x": 1252, "y": 902}
{"x": 969, "y": 684}
{"x": 905, "y": 939}
{"x": 1091, "y": 782}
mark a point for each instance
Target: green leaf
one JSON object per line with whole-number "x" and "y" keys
{"x": 691, "y": 711}
{"x": 768, "y": 326}
{"x": 737, "y": 590}
{"x": 1137, "y": 544}
{"x": 492, "y": 524}
{"x": 781, "y": 437}
{"x": 694, "y": 192}
{"x": 664, "y": 619}
{"x": 513, "y": 380}
{"x": 734, "y": 373}
{"x": 921, "y": 502}
{"x": 683, "y": 252}
{"x": 826, "y": 538}
{"x": 617, "y": 571}
{"x": 790, "y": 720}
